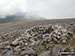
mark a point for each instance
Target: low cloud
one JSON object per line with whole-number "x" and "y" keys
{"x": 43, "y": 8}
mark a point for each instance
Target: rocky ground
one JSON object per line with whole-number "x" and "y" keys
{"x": 37, "y": 38}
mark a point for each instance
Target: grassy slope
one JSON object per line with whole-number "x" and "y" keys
{"x": 5, "y": 27}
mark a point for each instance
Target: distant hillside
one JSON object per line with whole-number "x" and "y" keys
{"x": 23, "y": 16}
{"x": 16, "y": 17}
{"x": 12, "y": 18}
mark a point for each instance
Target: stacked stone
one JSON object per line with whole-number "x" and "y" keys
{"x": 36, "y": 39}
{"x": 54, "y": 33}
{"x": 60, "y": 34}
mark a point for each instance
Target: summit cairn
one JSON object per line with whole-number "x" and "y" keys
{"x": 37, "y": 41}
{"x": 55, "y": 33}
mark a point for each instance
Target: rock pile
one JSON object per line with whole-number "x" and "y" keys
{"x": 36, "y": 41}
{"x": 5, "y": 36}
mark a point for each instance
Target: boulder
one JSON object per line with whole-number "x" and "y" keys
{"x": 7, "y": 52}
{"x": 28, "y": 51}
{"x": 46, "y": 53}
{"x": 56, "y": 50}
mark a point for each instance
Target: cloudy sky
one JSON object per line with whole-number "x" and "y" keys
{"x": 43, "y": 8}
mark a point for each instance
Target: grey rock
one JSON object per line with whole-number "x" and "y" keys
{"x": 23, "y": 48}
{"x": 28, "y": 36}
{"x": 63, "y": 48}
{"x": 50, "y": 28}
{"x": 7, "y": 52}
{"x": 42, "y": 42}
{"x": 57, "y": 48}
{"x": 47, "y": 36}
{"x": 49, "y": 45}
{"x": 32, "y": 42}
{"x": 55, "y": 40}
{"x": 26, "y": 44}
{"x": 28, "y": 51}
{"x": 35, "y": 38}
{"x": 16, "y": 48}
{"x": 41, "y": 48}
{"x": 21, "y": 43}
{"x": 74, "y": 37}
{"x": 46, "y": 53}
{"x": 64, "y": 41}
{"x": 4, "y": 44}
{"x": 15, "y": 42}
{"x": 37, "y": 42}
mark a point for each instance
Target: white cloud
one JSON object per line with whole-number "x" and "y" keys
{"x": 44, "y": 8}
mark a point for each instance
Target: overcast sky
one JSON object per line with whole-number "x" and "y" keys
{"x": 43, "y": 8}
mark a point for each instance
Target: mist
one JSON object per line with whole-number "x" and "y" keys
{"x": 50, "y": 9}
